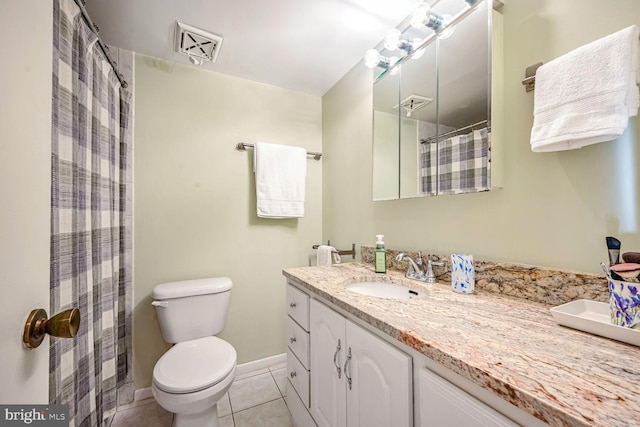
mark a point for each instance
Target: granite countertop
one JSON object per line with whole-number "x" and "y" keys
{"x": 508, "y": 345}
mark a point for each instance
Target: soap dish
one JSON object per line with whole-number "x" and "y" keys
{"x": 593, "y": 317}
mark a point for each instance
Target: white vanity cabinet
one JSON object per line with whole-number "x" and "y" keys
{"x": 357, "y": 379}
{"x": 343, "y": 375}
{"x": 442, "y": 404}
{"x": 298, "y": 356}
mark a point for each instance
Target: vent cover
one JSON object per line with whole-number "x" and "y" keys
{"x": 197, "y": 44}
{"x": 413, "y": 102}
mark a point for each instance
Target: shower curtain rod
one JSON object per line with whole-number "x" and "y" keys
{"x": 433, "y": 138}
{"x": 103, "y": 46}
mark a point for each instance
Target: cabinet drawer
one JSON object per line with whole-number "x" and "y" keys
{"x": 298, "y": 341}
{"x": 298, "y": 306}
{"x": 298, "y": 377}
{"x": 300, "y": 414}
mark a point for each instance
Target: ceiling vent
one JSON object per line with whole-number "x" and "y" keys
{"x": 197, "y": 44}
{"x": 413, "y": 102}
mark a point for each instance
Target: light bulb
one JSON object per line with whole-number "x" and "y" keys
{"x": 424, "y": 17}
{"x": 392, "y": 39}
{"x": 420, "y": 14}
{"x": 371, "y": 58}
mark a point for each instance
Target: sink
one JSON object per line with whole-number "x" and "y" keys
{"x": 384, "y": 290}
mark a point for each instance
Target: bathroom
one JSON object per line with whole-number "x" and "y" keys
{"x": 195, "y": 199}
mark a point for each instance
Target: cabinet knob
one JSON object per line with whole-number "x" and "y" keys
{"x": 292, "y": 340}
{"x": 292, "y": 374}
{"x": 292, "y": 305}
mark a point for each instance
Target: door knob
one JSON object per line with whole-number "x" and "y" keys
{"x": 63, "y": 325}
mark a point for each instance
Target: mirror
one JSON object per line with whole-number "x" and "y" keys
{"x": 432, "y": 120}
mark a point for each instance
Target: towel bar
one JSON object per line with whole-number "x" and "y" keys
{"x": 352, "y": 252}
{"x": 529, "y": 82}
{"x": 242, "y": 146}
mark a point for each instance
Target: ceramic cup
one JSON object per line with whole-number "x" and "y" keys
{"x": 624, "y": 302}
{"x": 463, "y": 278}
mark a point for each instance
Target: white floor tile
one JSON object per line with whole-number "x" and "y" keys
{"x": 271, "y": 414}
{"x": 255, "y": 399}
{"x": 252, "y": 391}
{"x": 226, "y": 421}
{"x": 280, "y": 376}
{"x": 149, "y": 415}
{"x": 224, "y": 406}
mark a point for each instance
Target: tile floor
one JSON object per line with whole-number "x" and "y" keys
{"x": 255, "y": 399}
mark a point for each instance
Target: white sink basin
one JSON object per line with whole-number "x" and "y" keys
{"x": 384, "y": 290}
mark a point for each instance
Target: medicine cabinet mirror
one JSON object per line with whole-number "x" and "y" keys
{"x": 437, "y": 115}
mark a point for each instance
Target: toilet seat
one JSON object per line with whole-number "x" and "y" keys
{"x": 194, "y": 365}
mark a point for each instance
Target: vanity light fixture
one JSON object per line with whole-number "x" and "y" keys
{"x": 373, "y": 59}
{"x": 449, "y": 29}
{"x": 393, "y": 40}
{"x": 423, "y": 16}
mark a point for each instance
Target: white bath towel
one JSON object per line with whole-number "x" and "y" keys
{"x": 327, "y": 255}
{"x": 587, "y": 95}
{"x": 281, "y": 173}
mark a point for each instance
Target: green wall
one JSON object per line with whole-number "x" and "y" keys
{"x": 555, "y": 208}
{"x": 195, "y": 208}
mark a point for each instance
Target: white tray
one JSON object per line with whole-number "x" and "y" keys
{"x": 593, "y": 317}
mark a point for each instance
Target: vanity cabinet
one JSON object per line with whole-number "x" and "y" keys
{"x": 357, "y": 379}
{"x": 298, "y": 356}
{"x": 442, "y": 404}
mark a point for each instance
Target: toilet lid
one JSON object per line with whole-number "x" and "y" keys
{"x": 194, "y": 365}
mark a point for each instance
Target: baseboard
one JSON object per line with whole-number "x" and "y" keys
{"x": 267, "y": 362}
{"x": 243, "y": 368}
{"x": 142, "y": 394}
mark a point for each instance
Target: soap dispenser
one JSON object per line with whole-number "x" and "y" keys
{"x": 381, "y": 255}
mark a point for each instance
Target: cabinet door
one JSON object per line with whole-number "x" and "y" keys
{"x": 381, "y": 389}
{"x": 328, "y": 393}
{"x": 442, "y": 404}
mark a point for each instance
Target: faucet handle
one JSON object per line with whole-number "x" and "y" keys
{"x": 430, "y": 277}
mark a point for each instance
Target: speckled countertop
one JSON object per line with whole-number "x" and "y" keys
{"x": 508, "y": 345}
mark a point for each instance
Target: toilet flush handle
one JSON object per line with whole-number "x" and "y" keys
{"x": 160, "y": 303}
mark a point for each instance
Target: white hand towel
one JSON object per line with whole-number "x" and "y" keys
{"x": 587, "y": 95}
{"x": 327, "y": 255}
{"x": 281, "y": 173}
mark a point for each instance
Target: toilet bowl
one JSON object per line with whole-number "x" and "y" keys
{"x": 194, "y": 374}
{"x": 192, "y": 377}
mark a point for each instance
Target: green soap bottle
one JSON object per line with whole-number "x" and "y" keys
{"x": 381, "y": 255}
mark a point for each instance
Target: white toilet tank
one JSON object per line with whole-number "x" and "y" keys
{"x": 192, "y": 309}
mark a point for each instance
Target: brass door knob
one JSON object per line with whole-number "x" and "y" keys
{"x": 62, "y": 325}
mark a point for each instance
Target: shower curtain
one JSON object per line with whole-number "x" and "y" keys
{"x": 463, "y": 164}
{"x": 90, "y": 262}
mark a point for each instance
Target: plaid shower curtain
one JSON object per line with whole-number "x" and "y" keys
{"x": 90, "y": 263}
{"x": 463, "y": 164}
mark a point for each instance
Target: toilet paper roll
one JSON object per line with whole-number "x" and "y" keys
{"x": 463, "y": 278}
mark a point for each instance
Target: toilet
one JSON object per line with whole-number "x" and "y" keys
{"x": 198, "y": 370}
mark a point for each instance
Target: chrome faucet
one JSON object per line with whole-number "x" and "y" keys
{"x": 418, "y": 270}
